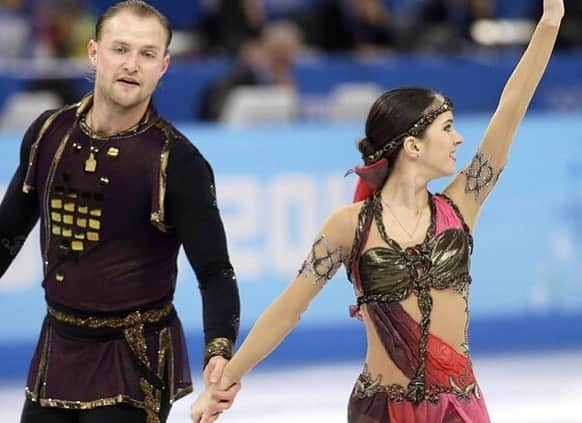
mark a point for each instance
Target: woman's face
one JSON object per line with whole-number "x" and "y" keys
{"x": 439, "y": 147}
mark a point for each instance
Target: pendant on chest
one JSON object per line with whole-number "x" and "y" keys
{"x": 91, "y": 163}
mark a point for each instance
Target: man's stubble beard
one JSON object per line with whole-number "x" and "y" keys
{"x": 122, "y": 102}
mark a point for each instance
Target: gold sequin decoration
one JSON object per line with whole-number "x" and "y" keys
{"x": 68, "y": 219}
{"x": 113, "y": 152}
{"x": 150, "y": 401}
{"x": 81, "y": 222}
{"x": 149, "y": 316}
{"x": 60, "y": 277}
{"x": 96, "y": 212}
{"x": 67, "y": 233}
{"x": 57, "y": 230}
{"x": 56, "y": 203}
{"x": 72, "y": 195}
{"x": 77, "y": 246}
{"x": 94, "y": 224}
{"x": 93, "y": 236}
{"x": 218, "y": 346}
{"x": 83, "y": 209}
{"x": 70, "y": 207}
{"x": 83, "y": 405}
{"x": 79, "y": 235}
{"x": 56, "y": 217}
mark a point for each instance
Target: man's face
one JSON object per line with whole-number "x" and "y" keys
{"x": 129, "y": 58}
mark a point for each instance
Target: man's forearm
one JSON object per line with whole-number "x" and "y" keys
{"x": 18, "y": 215}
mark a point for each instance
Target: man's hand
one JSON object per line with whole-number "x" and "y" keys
{"x": 214, "y": 369}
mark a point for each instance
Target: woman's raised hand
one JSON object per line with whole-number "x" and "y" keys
{"x": 553, "y": 11}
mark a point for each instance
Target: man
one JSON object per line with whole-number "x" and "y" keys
{"x": 118, "y": 190}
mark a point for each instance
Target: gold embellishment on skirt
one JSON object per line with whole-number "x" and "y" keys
{"x": 366, "y": 387}
{"x": 133, "y": 331}
{"x": 165, "y": 359}
{"x": 84, "y": 405}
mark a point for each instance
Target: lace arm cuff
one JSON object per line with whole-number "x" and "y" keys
{"x": 482, "y": 175}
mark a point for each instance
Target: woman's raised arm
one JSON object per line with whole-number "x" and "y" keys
{"x": 472, "y": 185}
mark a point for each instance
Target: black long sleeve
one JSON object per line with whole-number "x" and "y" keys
{"x": 192, "y": 210}
{"x": 19, "y": 212}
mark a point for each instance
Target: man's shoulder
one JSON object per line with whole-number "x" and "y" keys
{"x": 178, "y": 140}
{"x": 53, "y": 113}
{"x": 47, "y": 120}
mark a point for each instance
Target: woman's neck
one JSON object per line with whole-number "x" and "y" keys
{"x": 405, "y": 190}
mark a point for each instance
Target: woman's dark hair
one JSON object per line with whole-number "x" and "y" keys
{"x": 392, "y": 115}
{"x": 138, "y": 8}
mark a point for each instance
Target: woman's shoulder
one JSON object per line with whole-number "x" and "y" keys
{"x": 341, "y": 224}
{"x": 347, "y": 215}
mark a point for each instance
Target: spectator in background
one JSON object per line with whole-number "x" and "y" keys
{"x": 571, "y": 34}
{"x": 266, "y": 60}
{"x": 62, "y": 28}
{"x": 350, "y": 26}
{"x": 447, "y": 23}
{"x": 14, "y": 29}
{"x": 229, "y": 24}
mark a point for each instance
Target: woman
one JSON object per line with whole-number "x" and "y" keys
{"x": 407, "y": 253}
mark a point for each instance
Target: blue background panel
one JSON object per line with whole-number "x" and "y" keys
{"x": 276, "y": 185}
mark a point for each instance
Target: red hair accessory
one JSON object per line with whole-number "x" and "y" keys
{"x": 370, "y": 178}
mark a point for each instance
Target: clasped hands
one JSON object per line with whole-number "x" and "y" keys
{"x": 218, "y": 396}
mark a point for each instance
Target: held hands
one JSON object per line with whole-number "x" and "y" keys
{"x": 553, "y": 11}
{"x": 213, "y": 401}
{"x": 214, "y": 369}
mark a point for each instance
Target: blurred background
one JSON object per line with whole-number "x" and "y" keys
{"x": 275, "y": 93}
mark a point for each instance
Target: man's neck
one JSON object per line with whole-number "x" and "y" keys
{"x": 106, "y": 119}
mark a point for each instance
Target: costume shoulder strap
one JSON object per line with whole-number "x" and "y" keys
{"x": 29, "y": 185}
{"x": 364, "y": 222}
{"x": 454, "y": 210}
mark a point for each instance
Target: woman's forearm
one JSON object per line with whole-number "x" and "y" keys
{"x": 519, "y": 91}
{"x": 524, "y": 80}
{"x": 268, "y": 332}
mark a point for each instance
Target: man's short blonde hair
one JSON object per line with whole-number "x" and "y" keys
{"x": 138, "y": 8}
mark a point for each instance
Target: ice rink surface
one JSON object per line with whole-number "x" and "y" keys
{"x": 518, "y": 388}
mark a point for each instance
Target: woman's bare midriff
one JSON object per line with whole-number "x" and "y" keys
{"x": 448, "y": 322}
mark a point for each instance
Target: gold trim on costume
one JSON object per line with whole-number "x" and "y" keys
{"x": 27, "y": 188}
{"x": 218, "y": 346}
{"x": 40, "y": 373}
{"x": 158, "y": 217}
{"x": 142, "y": 126}
{"x": 83, "y": 405}
{"x": 100, "y": 402}
{"x": 135, "y": 318}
